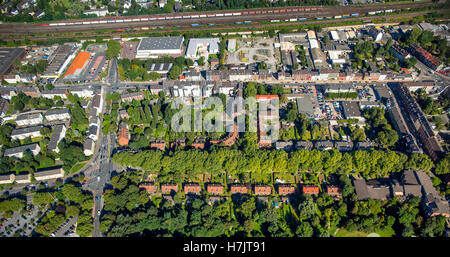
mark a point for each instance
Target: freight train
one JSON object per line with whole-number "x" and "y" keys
{"x": 109, "y": 20}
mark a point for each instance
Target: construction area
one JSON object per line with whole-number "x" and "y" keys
{"x": 253, "y": 50}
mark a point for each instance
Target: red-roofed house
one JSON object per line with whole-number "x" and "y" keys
{"x": 286, "y": 189}
{"x": 192, "y": 189}
{"x": 333, "y": 190}
{"x": 262, "y": 190}
{"x": 168, "y": 188}
{"x": 123, "y": 135}
{"x": 310, "y": 189}
{"x": 150, "y": 187}
{"x": 215, "y": 189}
{"x": 238, "y": 189}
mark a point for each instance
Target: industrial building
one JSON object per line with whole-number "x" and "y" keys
{"x": 202, "y": 46}
{"x": 151, "y": 47}
{"x": 8, "y": 56}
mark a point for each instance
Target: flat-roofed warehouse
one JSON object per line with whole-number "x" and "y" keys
{"x": 8, "y": 56}
{"x": 150, "y": 47}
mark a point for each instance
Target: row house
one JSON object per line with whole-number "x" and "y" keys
{"x": 192, "y": 189}
{"x": 239, "y": 189}
{"x": 157, "y": 143}
{"x": 155, "y": 89}
{"x": 178, "y": 142}
{"x": 97, "y": 103}
{"x": 58, "y": 114}
{"x": 58, "y": 134}
{"x": 89, "y": 147}
{"x": 23, "y": 133}
{"x": 307, "y": 145}
{"x": 29, "y": 119}
{"x": 344, "y": 146}
{"x": 214, "y": 189}
{"x": 333, "y": 190}
{"x": 132, "y": 96}
{"x": 329, "y": 74}
{"x": 199, "y": 143}
{"x": 400, "y": 53}
{"x": 301, "y": 75}
{"x": 49, "y": 173}
{"x": 51, "y": 94}
{"x": 148, "y": 186}
{"x": 285, "y": 189}
{"x": 92, "y": 132}
{"x": 262, "y": 190}
{"x": 19, "y": 150}
{"x": 192, "y": 76}
{"x": 240, "y": 75}
{"x": 81, "y": 92}
{"x": 31, "y": 92}
{"x": 425, "y": 57}
{"x": 169, "y": 188}
{"x": 310, "y": 189}
{"x": 323, "y": 145}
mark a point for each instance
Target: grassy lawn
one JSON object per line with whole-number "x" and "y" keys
{"x": 382, "y": 232}
{"x": 78, "y": 166}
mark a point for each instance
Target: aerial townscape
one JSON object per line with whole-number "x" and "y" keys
{"x": 224, "y": 118}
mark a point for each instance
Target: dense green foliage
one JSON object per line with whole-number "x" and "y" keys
{"x": 129, "y": 211}
{"x": 113, "y": 49}
{"x": 180, "y": 165}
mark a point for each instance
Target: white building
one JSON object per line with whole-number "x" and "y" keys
{"x": 82, "y": 92}
{"x": 7, "y": 179}
{"x": 162, "y": 3}
{"x": 50, "y": 94}
{"x": 89, "y": 147}
{"x": 29, "y": 119}
{"x": 98, "y": 12}
{"x": 231, "y": 45}
{"x": 202, "y": 47}
{"x": 151, "y": 47}
{"x": 58, "y": 134}
{"x": 93, "y": 133}
{"x": 97, "y": 103}
{"x": 18, "y": 151}
{"x": 57, "y": 114}
{"x": 50, "y": 173}
{"x": 26, "y": 132}
{"x": 25, "y": 178}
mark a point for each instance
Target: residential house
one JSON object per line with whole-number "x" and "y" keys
{"x": 19, "y": 150}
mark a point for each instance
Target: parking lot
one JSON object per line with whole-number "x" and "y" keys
{"x": 20, "y": 224}
{"x": 128, "y": 50}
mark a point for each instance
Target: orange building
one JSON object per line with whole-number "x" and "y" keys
{"x": 262, "y": 190}
{"x": 78, "y": 63}
{"x": 238, "y": 189}
{"x": 168, "y": 188}
{"x": 215, "y": 189}
{"x": 192, "y": 189}
{"x": 286, "y": 189}
{"x": 310, "y": 189}
{"x": 123, "y": 135}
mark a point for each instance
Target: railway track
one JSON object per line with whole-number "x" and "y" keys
{"x": 329, "y": 11}
{"x": 225, "y": 27}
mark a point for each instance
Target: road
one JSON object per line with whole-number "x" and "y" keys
{"x": 21, "y": 28}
